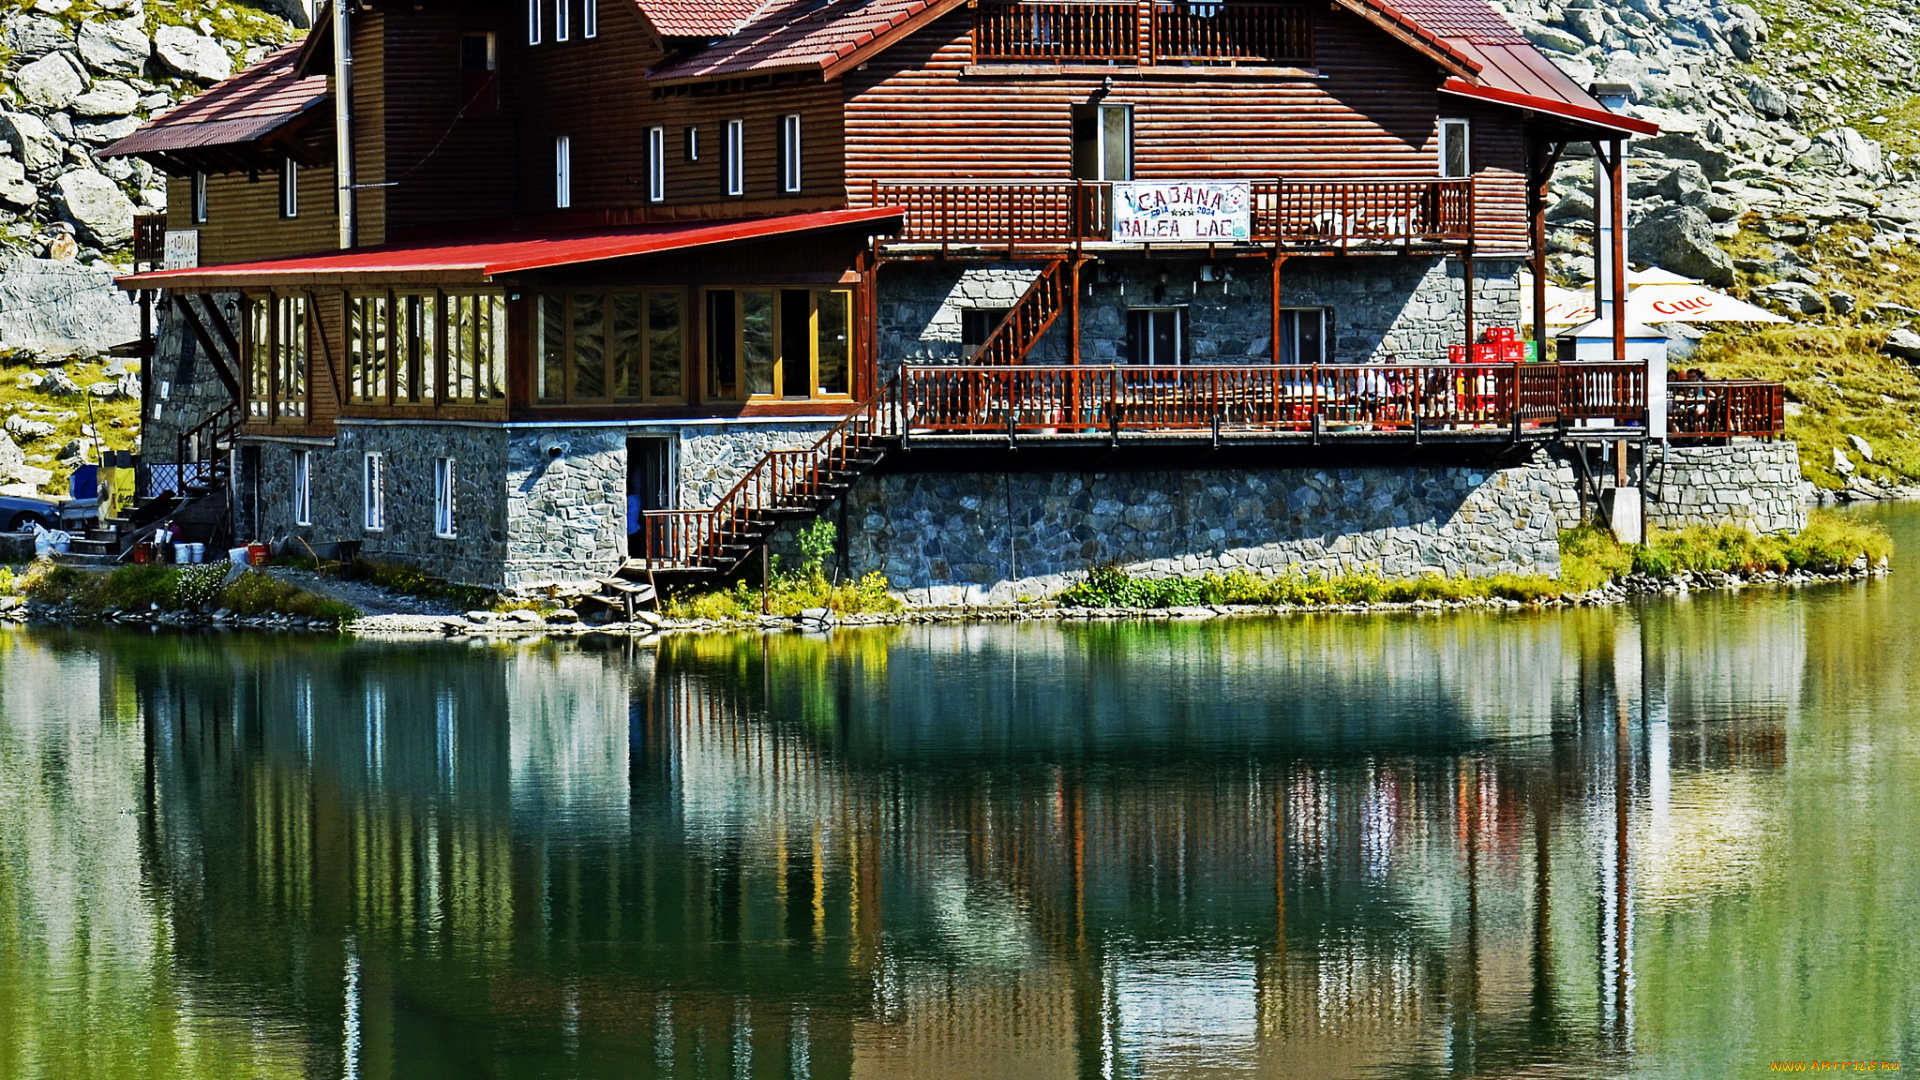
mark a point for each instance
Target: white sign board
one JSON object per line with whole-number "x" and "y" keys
{"x": 1181, "y": 211}
{"x": 183, "y": 249}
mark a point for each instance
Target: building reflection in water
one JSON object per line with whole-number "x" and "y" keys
{"x": 1303, "y": 848}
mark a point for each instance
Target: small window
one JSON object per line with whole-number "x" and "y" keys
{"x": 443, "y": 498}
{"x": 561, "y": 29}
{"x": 373, "y": 478}
{"x": 1456, "y": 160}
{"x": 562, "y": 172}
{"x": 303, "y": 487}
{"x": 479, "y": 88}
{"x": 790, "y": 153}
{"x": 733, "y": 160}
{"x": 690, "y": 140}
{"x": 656, "y": 164}
{"x": 533, "y": 21}
{"x": 1155, "y": 336}
{"x": 590, "y": 19}
{"x": 1103, "y": 142}
{"x": 199, "y": 196}
{"x": 1303, "y": 336}
{"x": 976, "y": 325}
{"x": 289, "y": 188}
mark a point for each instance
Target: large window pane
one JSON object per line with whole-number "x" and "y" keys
{"x": 627, "y": 357}
{"x": 796, "y": 343}
{"x": 756, "y": 340}
{"x": 589, "y": 346}
{"x": 415, "y": 371}
{"x": 550, "y": 315}
{"x": 367, "y": 348}
{"x": 260, "y": 359}
{"x": 462, "y": 347}
{"x": 835, "y": 345}
{"x": 666, "y": 337}
{"x": 493, "y": 348}
{"x": 723, "y": 327}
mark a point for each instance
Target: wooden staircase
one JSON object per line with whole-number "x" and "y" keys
{"x": 1030, "y": 317}
{"x": 686, "y": 546}
{"x": 205, "y": 466}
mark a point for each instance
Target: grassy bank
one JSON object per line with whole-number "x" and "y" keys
{"x": 174, "y": 589}
{"x": 1590, "y": 558}
{"x": 789, "y": 592}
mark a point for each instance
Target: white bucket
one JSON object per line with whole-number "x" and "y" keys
{"x": 199, "y": 552}
{"x": 182, "y": 553}
{"x": 237, "y": 556}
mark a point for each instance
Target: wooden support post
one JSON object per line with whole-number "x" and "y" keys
{"x": 1466, "y": 295}
{"x": 1616, "y": 164}
{"x": 1278, "y": 259}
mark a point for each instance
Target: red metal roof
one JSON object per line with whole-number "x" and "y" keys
{"x": 804, "y": 35}
{"x": 699, "y": 18}
{"x": 481, "y": 261}
{"x": 1520, "y": 75}
{"x": 243, "y": 109}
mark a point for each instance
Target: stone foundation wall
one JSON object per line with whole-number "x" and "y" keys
{"x": 713, "y": 457}
{"x": 1756, "y": 484}
{"x": 566, "y": 516}
{"x": 986, "y": 537}
{"x": 193, "y": 390}
{"x": 1383, "y": 310}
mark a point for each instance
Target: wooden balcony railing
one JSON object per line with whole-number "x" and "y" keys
{"x": 1335, "y": 214}
{"x": 1233, "y": 33}
{"x": 1112, "y": 31}
{"x": 1725, "y": 408}
{"x": 1240, "y": 398}
{"x": 149, "y": 238}
{"x": 1059, "y": 33}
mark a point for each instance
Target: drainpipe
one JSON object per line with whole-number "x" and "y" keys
{"x": 343, "y": 120}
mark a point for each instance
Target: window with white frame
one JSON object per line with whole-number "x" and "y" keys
{"x": 1156, "y": 336}
{"x": 561, "y": 26}
{"x": 790, "y": 153}
{"x": 199, "y": 198}
{"x": 443, "y": 498}
{"x": 562, "y": 172}
{"x": 1103, "y": 142}
{"x": 303, "y": 487}
{"x": 1456, "y": 160}
{"x": 590, "y": 19}
{"x": 656, "y": 164}
{"x": 289, "y": 188}
{"x": 373, "y": 476}
{"x": 1303, "y": 336}
{"x": 690, "y": 143}
{"x": 533, "y": 21}
{"x": 733, "y": 169}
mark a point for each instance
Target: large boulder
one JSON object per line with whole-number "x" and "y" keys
{"x": 189, "y": 55}
{"x": 1769, "y": 101}
{"x": 32, "y": 141}
{"x": 115, "y": 46}
{"x": 51, "y": 82}
{"x": 14, "y": 467}
{"x": 1793, "y": 297}
{"x": 96, "y": 206}
{"x": 107, "y": 99}
{"x": 1843, "y": 149}
{"x": 1686, "y": 184}
{"x": 1681, "y": 239}
{"x": 15, "y": 192}
{"x": 32, "y": 36}
{"x": 62, "y": 308}
{"x": 1903, "y": 345}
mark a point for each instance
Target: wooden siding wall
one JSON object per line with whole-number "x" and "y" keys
{"x": 243, "y": 215}
{"x": 370, "y": 126}
{"x": 919, "y": 112}
{"x": 1498, "y": 142}
{"x": 444, "y": 166}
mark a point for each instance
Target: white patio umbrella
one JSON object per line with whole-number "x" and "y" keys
{"x": 1654, "y": 295}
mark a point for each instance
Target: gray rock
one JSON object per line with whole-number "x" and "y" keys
{"x": 1769, "y": 101}
{"x": 1786, "y": 230}
{"x": 190, "y": 55}
{"x": 525, "y": 616}
{"x": 1681, "y": 239}
{"x": 56, "y": 384}
{"x": 1903, "y": 345}
{"x": 102, "y": 132}
{"x": 1692, "y": 146}
{"x": 1686, "y": 185}
{"x": 1861, "y": 446}
{"x": 61, "y": 308}
{"x": 1553, "y": 39}
{"x": 1795, "y": 297}
{"x": 107, "y": 99}
{"x": 1842, "y": 464}
{"x": 105, "y": 389}
{"x": 15, "y": 192}
{"x": 51, "y": 82}
{"x": 1842, "y": 303}
{"x": 1575, "y": 205}
{"x": 1843, "y": 148}
{"x": 115, "y": 46}
{"x": 96, "y": 206}
{"x": 25, "y": 428}
{"x": 33, "y": 36}
{"x": 1745, "y": 30}
{"x": 32, "y": 142}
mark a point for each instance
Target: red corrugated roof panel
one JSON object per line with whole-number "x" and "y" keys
{"x": 242, "y": 109}
{"x": 802, "y": 34}
{"x": 480, "y": 261}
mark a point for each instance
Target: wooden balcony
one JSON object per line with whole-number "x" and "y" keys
{"x": 1328, "y": 215}
{"x": 1144, "y": 32}
{"x": 1430, "y": 401}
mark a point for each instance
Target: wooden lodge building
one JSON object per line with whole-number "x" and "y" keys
{"x": 1009, "y": 286}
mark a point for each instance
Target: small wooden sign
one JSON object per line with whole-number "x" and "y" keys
{"x": 183, "y": 249}
{"x": 1182, "y": 211}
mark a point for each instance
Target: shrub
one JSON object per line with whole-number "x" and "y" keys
{"x": 1590, "y": 557}
{"x": 254, "y": 593}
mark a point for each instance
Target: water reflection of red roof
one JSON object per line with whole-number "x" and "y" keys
{"x": 480, "y": 261}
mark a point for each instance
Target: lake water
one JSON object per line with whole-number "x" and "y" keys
{"x": 1676, "y": 839}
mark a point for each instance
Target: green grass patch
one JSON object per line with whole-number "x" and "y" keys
{"x": 175, "y": 588}
{"x": 1110, "y": 586}
{"x": 789, "y": 593}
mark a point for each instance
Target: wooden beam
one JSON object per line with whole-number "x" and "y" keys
{"x": 200, "y": 332}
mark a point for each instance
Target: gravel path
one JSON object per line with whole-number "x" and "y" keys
{"x": 370, "y": 599}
